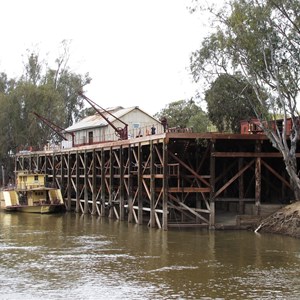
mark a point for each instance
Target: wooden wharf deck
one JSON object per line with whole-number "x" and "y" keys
{"x": 169, "y": 179}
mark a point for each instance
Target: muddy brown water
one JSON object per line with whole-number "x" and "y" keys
{"x": 72, "y": 256}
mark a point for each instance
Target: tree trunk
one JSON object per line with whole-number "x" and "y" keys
{"x": 291, "y": 167}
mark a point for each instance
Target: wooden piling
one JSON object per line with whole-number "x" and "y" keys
{"x": 166, "y": 180}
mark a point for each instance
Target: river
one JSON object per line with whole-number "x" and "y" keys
{"x": 74, "y": 256}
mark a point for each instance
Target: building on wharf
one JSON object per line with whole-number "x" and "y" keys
{"x": 167, "y": 179}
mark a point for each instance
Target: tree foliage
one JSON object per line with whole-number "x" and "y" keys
{"x": 50, "y": 92}
{"x": 229, "y": 100}
{"x": 184, "y": 113}
{"x": 260, "y": 39}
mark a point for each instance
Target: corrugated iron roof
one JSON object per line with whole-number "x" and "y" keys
{"x": 98, "y": 121}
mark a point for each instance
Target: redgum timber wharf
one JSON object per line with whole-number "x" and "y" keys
{"x": 172, "y": 179}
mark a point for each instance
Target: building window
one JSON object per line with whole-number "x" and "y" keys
{"x": 136, "y": 125}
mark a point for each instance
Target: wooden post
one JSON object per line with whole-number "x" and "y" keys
{"x": 102, "y": 182}
{"x": 212, "y": 217}
{"x": 94, "y": 190}
{"x": 46, "y": 165}
{"x": 152, "y": 185}
{"x": 121, "y": 182}
{"x": 140, "y": 185}
{"x": 241, "y": 188}
{"x": 69, "y": 184}
{"x": 111, "y": 183}
{"x": 77, "y": 208}
{"x": 61, "y": 185}
{"x": 86, "y": 197}
{"x": 198, "y": 200}
{"x": 53, "y": 170}
{"x": 165, "y": 186}
{"x": 130, "y": 196}
{"x": 257, "y": 179}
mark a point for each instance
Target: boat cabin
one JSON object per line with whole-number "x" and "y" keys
{"x": 27, "y": 180}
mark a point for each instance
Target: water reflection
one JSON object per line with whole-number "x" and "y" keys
{"x": 73, "y": 256}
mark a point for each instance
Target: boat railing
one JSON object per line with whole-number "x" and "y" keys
{"x": 29, "y": 186}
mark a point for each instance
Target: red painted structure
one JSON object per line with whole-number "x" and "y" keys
{"x": 254, "y": 126}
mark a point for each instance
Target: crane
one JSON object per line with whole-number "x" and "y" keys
{"x": 54, "y": 127}
{"x": 122, "y": 133}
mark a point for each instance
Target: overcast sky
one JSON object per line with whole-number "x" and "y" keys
{"x": 136, "y": 51}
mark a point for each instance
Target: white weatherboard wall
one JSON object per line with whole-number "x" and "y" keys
{"x": 94, "y": 129}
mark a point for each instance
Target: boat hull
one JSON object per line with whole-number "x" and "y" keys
{"x": 38, "y": 209}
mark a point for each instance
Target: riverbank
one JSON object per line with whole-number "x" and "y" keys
{"x": 285, "y": 221}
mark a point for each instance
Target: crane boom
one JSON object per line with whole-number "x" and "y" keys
{"x": 120, "y": 132}
{"x": 53, "y": 126}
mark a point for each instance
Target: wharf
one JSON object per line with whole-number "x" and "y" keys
{"x": 169, "y": 179}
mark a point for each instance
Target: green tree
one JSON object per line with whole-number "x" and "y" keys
{"x": 199, "y": 122}
{"x": 50, "y": 92}
{"x": 68, "y": 84}
{"x": 229, "y": 100}
{"x": 184, "y": 113}
{"x": 260, "y": 39}
{"x": 6, "y": 84}
{"x": 33, "y": 69}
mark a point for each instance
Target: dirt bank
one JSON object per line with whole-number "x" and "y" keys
{"x": 285, "y": 221}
